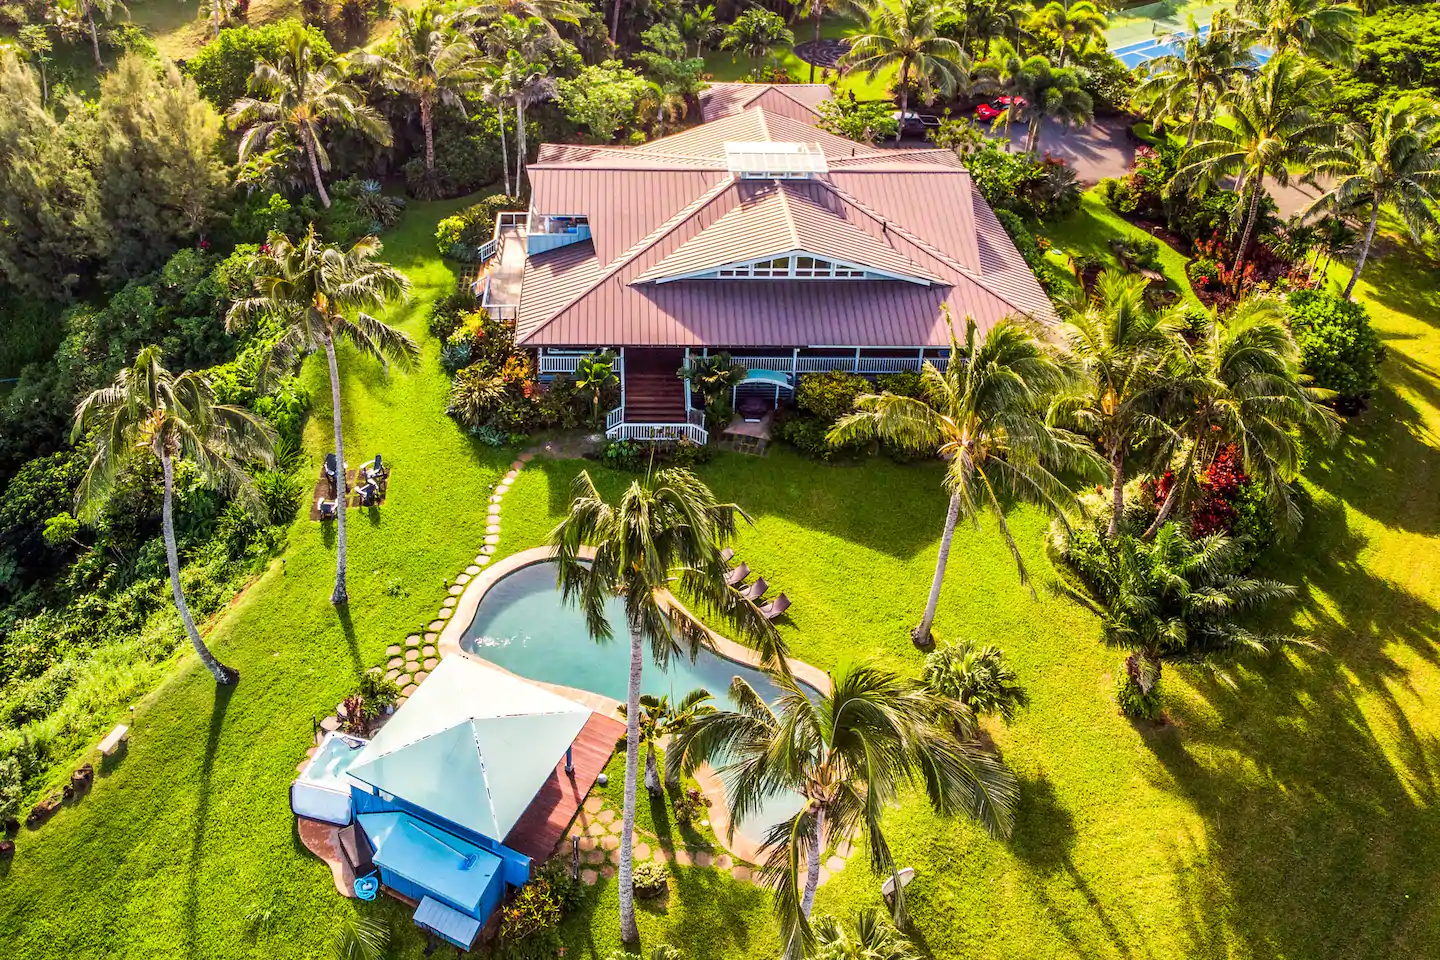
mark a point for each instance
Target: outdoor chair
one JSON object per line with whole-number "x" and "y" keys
{"x": 756, "y": 590}
{"x": 328, "y": 510}
{"x": 368, "y": 493}
{"x": 330, "y": 466}
{"x": 775, "y": 607}
{"x": 737, "y": 576}
{"x": 375, "y": 470}
{"x": 727, "y": 555}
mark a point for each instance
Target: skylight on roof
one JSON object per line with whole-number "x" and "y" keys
{"x": 767, "y": 160}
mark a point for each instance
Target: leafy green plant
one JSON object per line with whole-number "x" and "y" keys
{"x": 360, "y": 938}
{"x": 977, "y": 676}
{"x": 1131, "y": 695}
{"x": 831, "y": 395}
{"x": 1338, "y": 347}
{"x": 650, "y": 879}
{"x": 863, "y": 121}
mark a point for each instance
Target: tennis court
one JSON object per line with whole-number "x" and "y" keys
{"x": 1142, "y": 34}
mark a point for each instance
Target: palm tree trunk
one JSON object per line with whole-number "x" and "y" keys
{"x": 1060, "y": 62}
{"x": 652, "y": 771}
{"x": 1171, "y": 498}
{"x": 1249, "y": 225}
{"x": 520, "y": 146}
{"x": 218, "y": 670}
{"x": 315, "y": 168}
{"x": 812, "y": 866}
{"x": 629, "y": 932}
{"x": 921, "y": 636}
{"x": 904, "y": 96}
{"x": 816, "y": 50}
{"x": 1194, "y": 118}
{"x": 94, "y": 37}
{"x": 339, "y": 595}
{"x": 1117, "y": 491}
{"x": 1032, "y": 137}
{"x": 504, "y": 152}
{"x": 672, "y": 771}
{"x": 615, "y": 23}
{"x": 427, "y": 121}
{"x": 1365, "y": 248}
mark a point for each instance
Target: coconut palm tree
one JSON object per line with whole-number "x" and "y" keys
{"x": 875, "y": 938}
{"x": 818, "y": 10}
{"x": 550, "y": 12}
{"x": 519, "y": 75}
{"x": 1121, "y": 348}
{"x": 1240, "y": 383}
{"x": 756, "y": 32}
{"x": 660, "y": 719}
{"x": 1394, "y": 161}
{"x": 321, "y": 294}
{"x": 993, "y": 20}
{"x": 88, "y": 10}
{"x": 698, "y": 29}
{"x": 431, "y": 62}
{"x": 1075, "y": 23}
{"x": 901, "y": 33}
{"x": 148, "y": 409}
{"x": 848, "y": 752}
{"x": 1007, "y": 73}
{"x": 300, "y": 96}
{"x": 985, "y": 416}
{"x": 1197, "y": 75}
{"x": 530, "y": 83}
{"x": 1265, "y": 129}
{"x": 496, "y": 91}
{"x": 664, "y": 530}
{"x": 1322, "y": 28}
{"x": 1051, "y": 94}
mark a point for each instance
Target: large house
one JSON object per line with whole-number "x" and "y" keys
{"x": 757, "y": 234}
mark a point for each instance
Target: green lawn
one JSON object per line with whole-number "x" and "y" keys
{"x": 725, "y": 66}
{"x": 1291, "y": 816}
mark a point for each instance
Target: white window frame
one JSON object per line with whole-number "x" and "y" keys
{"x": 825, "y": 268}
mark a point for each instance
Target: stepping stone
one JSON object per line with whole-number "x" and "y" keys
{"x": 511, "y": 475}
{"x": 396, "y": 663}
{"x": 412, "y": 655}
{"x": 614, "y": 857}
{"x": 517, "y": 466}
{"x": 588, "y": 843}
{"x": 482, "y": 560}
{"x": 824, "y": 877}
{"x": 606, "y": 816}
{"x": 617, "y": 827}
{"x": 527, "y": 456}
{"x": 420, "y": 677}
{"x": 492, "y": 529}
{"x": 431, "y": 663}
{"x": 448, "y": 603}
{"x": 503, "y": 487}
{"x": 610, "y": 842}
{"x": 723, "y": 862}
{"x": 442, "y": 615}
{"x": 462, "y": 578}
{"x": 593, "y": 855}
{"x": 310, "y": 753}
{"x": 704, "y": 859}
{"x": 492, "y": 538}
{"x": 589, "y": 877}
{"x": 412, "y": 638}
{"x": 835, "y": 864}
{"x": 593, "y": 804}
{"x": 493, "y": 509}
{"x": 470, "y": 571}
{"x": 497, "y": 497}
{"x": 427, "y": 651}
{"x": 409, "y": 689}
{"x": 488, "y": 549}
{"x": 683, "y": 858}
{"x": 430, "y": 639}
{"x": 740, "y": 872}
{"x": 458, "y": 589}
{"x": 392, "y": 674}
{"x": 393, "y": 650}
{"x": 641, "y": 851}
{"x": 607, "y": 871}
{"x": 659, "y": 855}
{"x": 412, "y": 667}
{"x": 596, "y": 829}
{"x": 436, "y": 625}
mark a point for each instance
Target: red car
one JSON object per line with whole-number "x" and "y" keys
{"x": 986, "y": 112}
{"x": 1006, "y": 101}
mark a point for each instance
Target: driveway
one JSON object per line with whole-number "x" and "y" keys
{"x": 1102, "y": 149}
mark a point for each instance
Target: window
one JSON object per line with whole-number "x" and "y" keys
{"x": 801, "y": 267}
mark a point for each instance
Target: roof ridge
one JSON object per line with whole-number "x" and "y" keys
{"x": 644, "y": 243}
{"x": 784, "y": 196}
{"x": 485, "y": 778}
{"x": 391, "y": 751}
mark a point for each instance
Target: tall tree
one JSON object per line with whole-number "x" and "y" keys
{"x": 875, "y": 938}
{"x": 698, "y": 29}
{"x": 155, "y": 146}
{"x": 150, "y": 410}
{"x": 991, "y": 20}
{"x": 550, "y": 12}
{"x": 1197, "y": 75}
{"x": 901, "y": 33}
{"x": 985, "y": 417}
{"x": 848, "y": 752}
{"x": 1075, "y": 24}
{"x": 1007, "y": 73}
{"x": 1051, "y": 93}
{"x": 664, "y": 530}
{"x": 1240, "y": 383}
{"x": 757, "y": 31}
{"x": 431, "y": 62}
{"x": 818, "y": 10}
{"x": 300, "y": 96}
{"x": 321, "y": 294}
{"x": 35, "y": 41}
{"x": 1394, "y": 161}
{"x": 1323, "y": 28}
{"x": 660, "y": 719}
{"x": 87, "y": 11}
{"x": 1265, "y": 129}
{"x": 519, "y": 75}
{"x": 1122, "y": 349}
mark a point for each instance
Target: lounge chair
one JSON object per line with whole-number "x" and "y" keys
{"x": 368, "y": 493}
{"x": 756, "y": 589}
{"x": 727, "y": 555}
{"x": 775, "y": 607}
{"x": 737, "y": 576}
{"x": 330, "y": 465}
{"x": 375, "y": 470}
{"x": 328, "y": 510}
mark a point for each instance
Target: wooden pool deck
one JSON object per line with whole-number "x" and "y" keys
{"x": 538, "y": 831}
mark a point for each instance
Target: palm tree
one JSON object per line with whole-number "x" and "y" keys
{"x": 848, "y": 752}
{"x": 1075, "y": 23}
{"x": 660, "y": 719}
{"x": 1323, "y": 28}
{"x": 519, "y": 75}
{"x": 87, "y": 10}
{"x": 496, "y": 92}
{"x": 1121, "y": 348}
{"x": 1395, "y": 161}
{"x": 976, "y": 676}
{"x": 1177, "y": 600}
{"x": 1052, "y": 94}
{"x": 1240, "y": 383}
{"x": 818, "y": 10}
{"x": 984, "y": 415}
{"x": 756, "y": 32}
{"x": 530, "y": 83}
{"x": 1203, "y": 69}
{"x": 321, "y": 293}
{"x": 431, "y": 62}
{"x": 1266, "y": 129}
{"x": 665, "y": 529}
{"x": 902, "y": 34}
{"x": 994, "y": 20}
{"x": 1006, "y": 72}
{"x": 549, "y": 12}
{"x": 298, "y": 97}
{"x": 149, "y": 409}
{"x": 875, "y": 938}
{"x": 698, "y": 29}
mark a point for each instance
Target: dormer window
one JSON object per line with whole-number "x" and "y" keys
{"x": 798, "y": 267}
{"x": 767, "y": 160}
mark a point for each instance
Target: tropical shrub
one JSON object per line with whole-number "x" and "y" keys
{"x": 223, "y": 67}
{"x": 650, "y": 879}
{"x": 864, "y": 122}
{"x": 830, "y": 395}
{"x": 1132, "y": 698}
{"x": 528, "y": 922}
{"x": 978, "y": 676}
{"x": 1018, "y": 182}
{"x": 905, "y": 384}
{"x": 1338, "y": 347}
{"x": 460, "y": 236}
{"x": 467, "y": 157}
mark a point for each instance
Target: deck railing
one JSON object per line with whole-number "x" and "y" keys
{"x": 851, "y": 364}
{"x": 693, "y": 429}
{"x": 567, "y": 363}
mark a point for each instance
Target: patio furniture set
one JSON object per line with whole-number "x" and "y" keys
{"x": 374, "y": 477}
{"x": 755, "y": 590}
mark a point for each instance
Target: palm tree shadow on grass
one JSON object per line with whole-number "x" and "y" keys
{"x": 201, "y": 816}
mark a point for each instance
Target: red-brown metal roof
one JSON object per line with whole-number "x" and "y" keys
{"x": 798, "y": 101}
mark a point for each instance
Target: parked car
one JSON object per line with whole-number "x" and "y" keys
{"x": 916, "y": 124}
{"x": 1003, "y": 102}
{"x": 986, "y": 112}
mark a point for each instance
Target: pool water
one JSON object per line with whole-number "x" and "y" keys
{"x": 523, "y": 626}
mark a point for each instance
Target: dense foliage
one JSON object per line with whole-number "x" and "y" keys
{"x": 1338, "y": 347}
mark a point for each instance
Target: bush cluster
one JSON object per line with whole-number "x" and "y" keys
{"x": 1017, "y": 182}
{"x": 1030, "y": 252}
{"x": 461, "y": 236}
{"x": 823, "y": 398}
{"x": 1338, "y": 347}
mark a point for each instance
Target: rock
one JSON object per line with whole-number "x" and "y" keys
{"x": 7, "y": 849}
{"x": 393, "y": 650}
{"x": 12, "y": 825}
{"x": 42, "y": 811}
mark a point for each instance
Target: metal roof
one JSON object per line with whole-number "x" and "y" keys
{"x": 423, "y": 853}
{"x": 798, "y": 101}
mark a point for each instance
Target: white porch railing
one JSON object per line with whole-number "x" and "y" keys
{"x": 851, "y": 364}
{"x": 614, "y": 418}
{"x": 693, "y": 429}
{"x": 567, "y": 363}
{"x": 506, "y": 218}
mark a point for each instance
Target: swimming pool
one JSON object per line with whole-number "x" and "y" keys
{"x": 1172, "y": 44}
{"x": 522, "y": 625}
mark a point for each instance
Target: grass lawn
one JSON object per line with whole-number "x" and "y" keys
{"x": 724, "y": 66}
{"x": 1290, "y": 816}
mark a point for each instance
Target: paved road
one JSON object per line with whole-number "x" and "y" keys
{"x": 1102, "y": 149}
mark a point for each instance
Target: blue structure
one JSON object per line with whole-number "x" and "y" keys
{"x": 438, "y": 790}
{"x": 1172, "y": 44}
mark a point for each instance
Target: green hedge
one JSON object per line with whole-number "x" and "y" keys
{"x": 1338, "y": 347}
{"x": 461, "y": 236}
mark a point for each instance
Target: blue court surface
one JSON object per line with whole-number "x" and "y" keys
{"x": 1143, "y": 51}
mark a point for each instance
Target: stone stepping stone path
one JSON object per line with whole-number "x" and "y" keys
{"x": 826, "y": 53}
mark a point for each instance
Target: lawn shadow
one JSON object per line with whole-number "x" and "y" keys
{"x": 1044, "y": 828}
{"x": 342, "y": 612}
{"x": 201, "y": 816}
